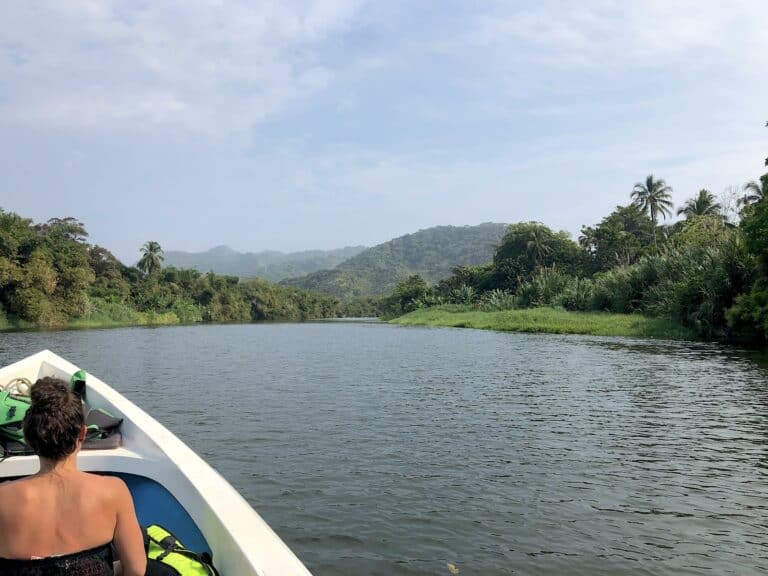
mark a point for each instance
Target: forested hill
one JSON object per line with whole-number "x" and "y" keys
{"x": 269, "y": 265}
{"x": 432, "y": 253}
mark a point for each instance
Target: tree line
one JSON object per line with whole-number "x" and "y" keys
{"x": 708, "y": 271}
{"x": 51, "y": 276}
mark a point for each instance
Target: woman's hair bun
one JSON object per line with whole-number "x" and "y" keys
{"x": 54, "y": 421}
{"x": 50, "y": 392}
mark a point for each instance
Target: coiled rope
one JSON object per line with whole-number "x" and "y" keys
{"x": 18, "y": 386}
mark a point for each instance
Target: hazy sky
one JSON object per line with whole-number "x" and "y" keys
{"x": 317, "y": 124}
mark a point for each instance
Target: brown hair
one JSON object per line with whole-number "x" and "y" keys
{"x": 54, "y": 420}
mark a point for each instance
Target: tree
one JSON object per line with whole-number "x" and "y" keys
{"x": 620, "y": 239}
{"x": 69, "y": 227}
{"x": 409, "y": 291}
{"x": 480, "y": 278}
{"x": 528, "y": 246}
{"x": 653, "y": 196}
{"x": 702, "y": 205}
{"x": 151, "y": 259}
{"x": 754, "y": 192}
{"x": 109, "y": 282}
{"x": 749, "y": 315}
{"x": 754, "y": 227}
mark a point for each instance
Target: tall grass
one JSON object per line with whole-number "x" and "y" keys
{"x": 105, "y": 313}
{"x": 497, "y": 300}
{"x": 550, "y": 320}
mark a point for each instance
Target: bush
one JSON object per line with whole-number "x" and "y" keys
{"x": 187, "y": 311}
{"x": 497, "y": 300}
{"x": 698, "y": 285}
{"x": 578, "y": 295}
{"x": 748, "y": 317}
{"x": 551, "y": 287}
{"x": 462, "y": 295}
{"x": 109, "y": 311}
{"x": 624, "y": 289}
{"x": 429, "y": 300}
{"x": 34, "y": 306}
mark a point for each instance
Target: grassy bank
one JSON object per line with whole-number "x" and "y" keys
{"x": 84, "y": 323}
{"x": 141, "y": 319}
{"x": 548, "y": 320}
{"x": 102, "y": 315}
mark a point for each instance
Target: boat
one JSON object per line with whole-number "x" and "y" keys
{"x": 170, "y": 484}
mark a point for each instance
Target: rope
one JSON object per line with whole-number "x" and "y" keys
{"x": 18, "y": 386}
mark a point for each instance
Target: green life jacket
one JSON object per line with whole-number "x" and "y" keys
{"x": 166, "y": 555}
{"x": 77, "y": 383}
{"x": 102, "y": 426}
{"x": 12, "y": 412}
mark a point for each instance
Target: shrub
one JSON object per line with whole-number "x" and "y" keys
{"x": 109, "y": 311}
{"x": 187, "y": 311}
{"x": 624, "y": 289}
{"x": 462, "y": 295}
{"x": 748, "y": 317}
{"x": 497, "y": 300}
{"x": 34, "y": 306}
{"x": 577, "y": 295}
{"x": 699, "y": 284}
{"x": 429, "y": 300}
{"x": 544, "y": 288}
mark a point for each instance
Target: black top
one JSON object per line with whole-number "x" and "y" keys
{"x": 94, "y": 562}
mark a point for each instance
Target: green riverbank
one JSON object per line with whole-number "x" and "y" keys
{"x": 550, "y": 321}
{"x": 96, "y": 321}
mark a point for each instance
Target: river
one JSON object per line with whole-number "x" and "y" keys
{"x": 384, "y": 450}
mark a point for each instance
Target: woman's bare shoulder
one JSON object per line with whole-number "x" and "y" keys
{"x": 111, "y": 486}
{"x": 14, "y": 488}
{"x": 19, "y": 492}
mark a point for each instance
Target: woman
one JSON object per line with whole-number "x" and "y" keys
{"x": 61, "y": 521}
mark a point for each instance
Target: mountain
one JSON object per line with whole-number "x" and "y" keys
{"x": 432, "y": 253}
{"x": 269, "y": 265}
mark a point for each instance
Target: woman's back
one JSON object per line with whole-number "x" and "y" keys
{"x": 61, "y": 521}
{"x": 58, "y": 513}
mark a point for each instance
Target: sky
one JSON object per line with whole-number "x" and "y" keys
{"x": 317, "y": 124}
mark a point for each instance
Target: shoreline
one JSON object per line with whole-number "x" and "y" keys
{"x": 86, "y": 325}
{"x": 81, "y": 324}
{"x": 528, "y": 320}
{"x": 549, "y": 321}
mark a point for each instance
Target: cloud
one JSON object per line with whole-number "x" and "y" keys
{"x": 206, "y": 66}
{"x": 609, "y": 33}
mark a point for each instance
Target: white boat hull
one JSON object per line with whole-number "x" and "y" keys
{"x": 240, "y": 541}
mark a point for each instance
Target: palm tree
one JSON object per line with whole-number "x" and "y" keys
{"x": 754, "y": 192}
{"x": 537, "y": 246}
{"x": 151, "y": 259}
{"x": 702, "y": 205}
{"x": 653, "y": 197}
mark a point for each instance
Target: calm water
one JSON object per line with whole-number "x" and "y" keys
{"x": 374, "y": 449}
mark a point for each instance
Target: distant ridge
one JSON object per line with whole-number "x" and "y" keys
{"x": 270, "y": 264}
{"x": 432, "y": 253}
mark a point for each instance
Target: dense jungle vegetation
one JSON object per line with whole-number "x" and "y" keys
{"x": 708, "y": 271}
{"x": 50, "y": 277}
